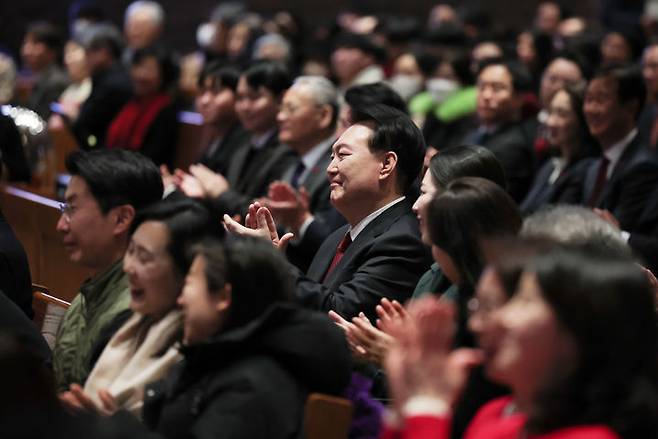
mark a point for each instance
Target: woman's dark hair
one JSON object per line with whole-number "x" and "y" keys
{"x": 588, "y": 144}
{"x": 168, "y": 68}
{"x": 269, "y": 74}
{"x": 607, "y": 306}
{"x": 258, "y": 274}
{"x": 466, "y": 161}
{"x": 187, "y": 222}
{"x": 469, "y": 210}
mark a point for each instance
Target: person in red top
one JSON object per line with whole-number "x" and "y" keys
{"x": 576, "y": 344}
{"x": 147, "y": 123}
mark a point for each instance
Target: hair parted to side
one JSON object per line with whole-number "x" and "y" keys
{"x": 394, "y": 131}
{"x": 117, "y": 176}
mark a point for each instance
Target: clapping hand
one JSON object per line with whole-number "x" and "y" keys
{"x": 288, "y": 206}
{"x": 76, "y": 400}
{"x": 422, "y": 362}
{"x": 260, "y": 224}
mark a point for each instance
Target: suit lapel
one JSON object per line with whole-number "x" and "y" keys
{"x": 317, "y": 177}
{"x": 620, "y": 168}
{"x": 378, "y": 226}
{"x": 238, "y": 162}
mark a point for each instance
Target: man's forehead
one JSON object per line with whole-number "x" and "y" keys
{"x": 357, "y": 134}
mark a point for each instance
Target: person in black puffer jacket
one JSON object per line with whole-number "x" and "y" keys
{"x": 251, "y": 356}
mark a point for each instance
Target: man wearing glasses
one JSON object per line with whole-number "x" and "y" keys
{"x": 107, "y": 187}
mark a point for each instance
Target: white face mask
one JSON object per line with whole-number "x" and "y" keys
{"x": 406, "y": 85}
{"x": 441, "y": 89}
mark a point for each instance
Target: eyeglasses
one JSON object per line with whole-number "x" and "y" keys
{"x": 67, "y": 211}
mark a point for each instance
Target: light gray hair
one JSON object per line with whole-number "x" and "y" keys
{"x": 276, "y": 40}
{"x": 575, "y": 225}
{"x": 154, "y": 9}
{"x": 323, "y": 91}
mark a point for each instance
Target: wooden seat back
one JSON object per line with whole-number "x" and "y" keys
{"x": 327, "y": 417}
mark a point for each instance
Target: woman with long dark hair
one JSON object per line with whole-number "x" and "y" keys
{"x": 576, "y": 344}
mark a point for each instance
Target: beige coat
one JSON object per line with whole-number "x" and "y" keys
{"x": 123, "y": 369}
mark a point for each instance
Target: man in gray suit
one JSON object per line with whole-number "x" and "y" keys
{"x": 300, "y": 200}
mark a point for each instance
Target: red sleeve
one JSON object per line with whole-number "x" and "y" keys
{"x": 426, "y": 427}
{"x": 582, "y": 432}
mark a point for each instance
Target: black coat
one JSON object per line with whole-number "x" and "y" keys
{"x": 628, "y": 189}
{"x": 250, "y": 173}
{"x": 251, "y": 382}
{"x": 110, "y": 91}
{"x": 567, "y": 189}
{"x": 15, "y": 279}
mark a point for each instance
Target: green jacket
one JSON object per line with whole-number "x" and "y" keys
{"x": 100, "y": 300}
{"x": 433, "y": 281}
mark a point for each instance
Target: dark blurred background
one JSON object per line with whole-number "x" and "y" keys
{"x": 183, "y": 16}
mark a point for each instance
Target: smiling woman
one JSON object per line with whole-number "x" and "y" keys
{"x": 145, "y": 347}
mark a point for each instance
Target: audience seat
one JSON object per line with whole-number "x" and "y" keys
{"x": 327, "y": 417}
{"x": 48, "y": 312}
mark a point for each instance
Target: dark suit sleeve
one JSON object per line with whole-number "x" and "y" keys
{"x": 390, "y": 267}
{"x": 633, "y": 193}
{"x": 14, "y": 321}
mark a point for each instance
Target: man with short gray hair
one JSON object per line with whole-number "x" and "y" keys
{"x": 143, "y": 23}
{"x": 300, "y": 202}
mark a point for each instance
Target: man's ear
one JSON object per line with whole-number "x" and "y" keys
{"x": 325, "y": 115}
{"x": 124, "y": 216}
{"x": 223, "y": 298}
{"x": 389, "y": 163}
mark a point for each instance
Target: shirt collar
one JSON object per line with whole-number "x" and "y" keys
{"x": 258, "y": 141}
{"x": 354, "y": 231}
{"x": 614, "y": 153}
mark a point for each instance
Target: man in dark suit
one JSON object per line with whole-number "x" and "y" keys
{"x": 261, "y": 159}
{"x": 624, "y": 177}
{"x": 379, "y": 252}
{"x": 216, "y": 103}
{"x": 501, "y": 86}
{"x": 300, "y": 200}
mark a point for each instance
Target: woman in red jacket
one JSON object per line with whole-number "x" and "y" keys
{"x": 576, "y": 344}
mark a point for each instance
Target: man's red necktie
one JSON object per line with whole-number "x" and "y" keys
{"x": 340, "y": 251}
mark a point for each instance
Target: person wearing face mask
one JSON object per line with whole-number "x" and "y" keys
{"x": 146, "y": 346}
{"x": 444, "y": 108}
{"x": 408, "y": 78}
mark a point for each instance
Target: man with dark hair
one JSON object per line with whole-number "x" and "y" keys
{"x": 216, "y": 103}
{"x": 40, "y": 53}
{"x": 258, "y": 161}
{"x": 107, "y": 188}
{"x": 356, "y": 60}
{"x": 621, "y": 180}
{"x": 110, "y": 86}
{"x": 362, "y": 96}
{"x": 379, "y": 253}
{"x": 500, "y": 89}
